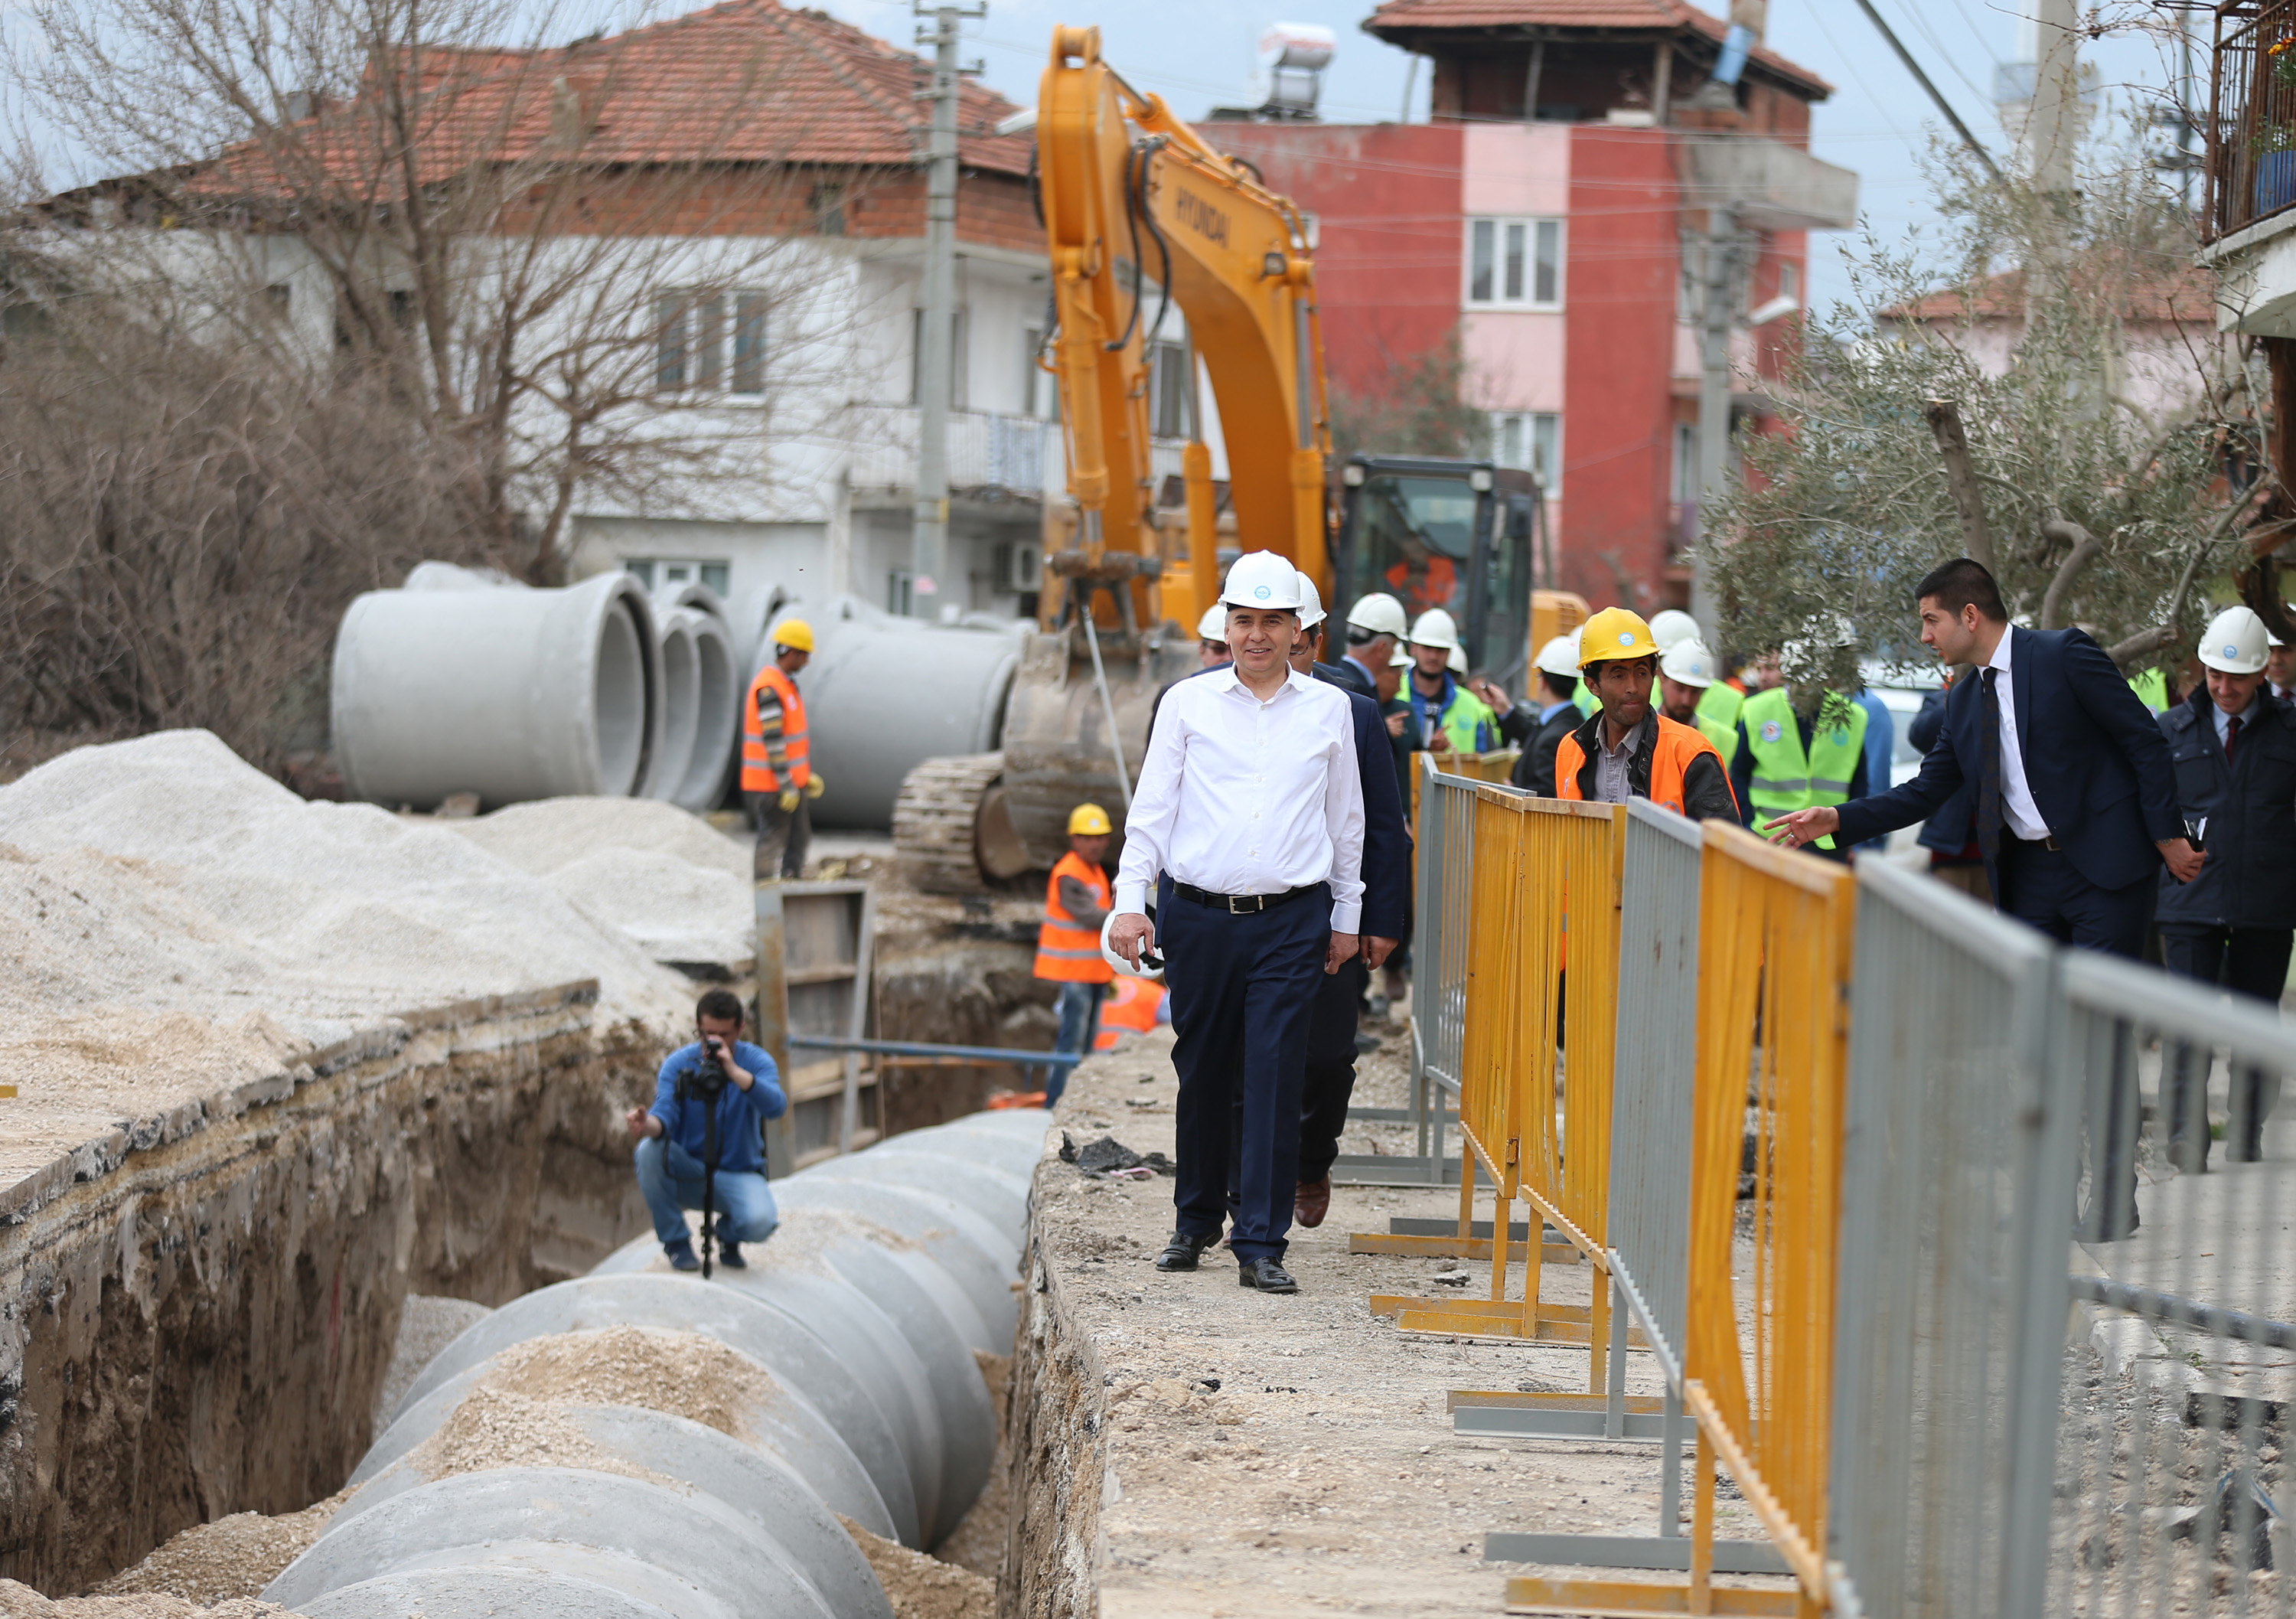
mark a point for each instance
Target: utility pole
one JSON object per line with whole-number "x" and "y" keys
{"x": 1719, "y": 278}
{"x": 937, "y": 330}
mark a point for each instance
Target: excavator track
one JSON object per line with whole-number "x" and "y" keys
{"x": 952, "y": 829}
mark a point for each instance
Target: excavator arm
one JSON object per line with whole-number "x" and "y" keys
{"x": 1132, "y": 195}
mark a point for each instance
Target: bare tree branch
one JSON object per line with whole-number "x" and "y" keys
{"x": 2144, "y": 642}
{"x": 2086, "y": 549}
{"x": 1961, "y": 478}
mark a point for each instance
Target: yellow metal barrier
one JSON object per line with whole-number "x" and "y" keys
{"x": 1498, "y": 767}
{"x": 1772, "y": 1025}
{"x": 1546, "y": 873}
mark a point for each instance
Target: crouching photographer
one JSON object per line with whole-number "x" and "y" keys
{"x": 702, "y": 1145}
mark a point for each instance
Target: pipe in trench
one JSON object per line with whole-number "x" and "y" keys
{"x": 877, "y": 1412}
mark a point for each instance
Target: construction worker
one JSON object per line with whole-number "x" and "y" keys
{"x": 1211, "y": 637}
{"x": 1068, "y": 943}
{"x": 778, "y": 774}
{"x": 1376, "y": 627}
{"x": 1687, "y": 674}
{"x": 1787, "y": 760}
{"x": 1557, "y": 715}
{"x": 1628, "y": 750}
{"x": 1451, "y": 717}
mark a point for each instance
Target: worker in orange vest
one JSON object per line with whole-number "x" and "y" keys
{"x": 778, "y": 774}
{"x": 1076, "y": 901}
{"x": 1628, "y": 749}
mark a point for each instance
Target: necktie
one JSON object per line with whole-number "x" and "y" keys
{"x": 1988, "y": 766}
{"x": 2232, "y": 736}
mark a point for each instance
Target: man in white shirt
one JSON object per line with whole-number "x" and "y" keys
{"x": 1249, "y": 816}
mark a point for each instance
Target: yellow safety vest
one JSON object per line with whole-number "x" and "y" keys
{"x": 1784, "y": 780}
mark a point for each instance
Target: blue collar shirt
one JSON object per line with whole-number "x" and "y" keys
{"x": 741, "y": 1113}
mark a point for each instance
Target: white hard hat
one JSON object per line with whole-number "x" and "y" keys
{"x": 1673, "y": 626}
{"x": 1152, "y": 960}
{"x": 1263, "y": 580}
{"x": 1457, "y": 663}
{"x": 1435, "y": 628}
{"x": 1213, "y": 625}
{"x": 1379, "y": 613}
{"x": 1311, "y": 603}
{"x": 1559, "y": 656}
{"x": 1401, "y": 659}
{"x": 2235, "y": 642}
{"x": 1689, "y": 663}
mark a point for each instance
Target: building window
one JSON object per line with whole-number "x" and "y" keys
{"x": 1515, "y": 264}
{"x": 1790, "y": 280}
{"x": 692, "y": 337}
{"x": 1686, "y": 462}
{"x": 1168, "y": 391}
{"x": 898, "y": 594}
{"x": 829, "y": 208}
{"x": 1528, "y": 441}
{"x": 667, "y": 574}
{"x": 1040, "y": 390}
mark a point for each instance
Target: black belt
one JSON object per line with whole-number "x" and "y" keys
{"x": 2048, "y": 839}
{"x": 1239, "y": 905}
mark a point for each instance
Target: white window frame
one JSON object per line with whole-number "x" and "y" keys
{"x": 1528, "y": 429}
{"x": 711, "y": 341}
{"x": 1512, "y": 246}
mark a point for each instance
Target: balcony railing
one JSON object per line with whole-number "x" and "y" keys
{"x": 2251, "y": 126}
{"x": 989, "y": 454}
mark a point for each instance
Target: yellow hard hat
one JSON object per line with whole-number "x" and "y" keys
{"x": 1088, "y": 821}
{"x": 794, "y": 633}
{"x": 1612, "y": 634}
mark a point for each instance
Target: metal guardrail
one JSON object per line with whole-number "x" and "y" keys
{"x": 2251, "y": 121}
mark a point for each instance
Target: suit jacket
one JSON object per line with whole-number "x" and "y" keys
{"x": 1949, "y": 829}
{"x": 2093, "y": 754}
{"x": 1534, "y": 772}
{"x": 1387, "y": 841}
{"x": 1347, "y": 678}
{"x": 2249, "y": 879}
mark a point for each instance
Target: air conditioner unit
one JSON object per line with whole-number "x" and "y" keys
{"x": 1021, "y": 568}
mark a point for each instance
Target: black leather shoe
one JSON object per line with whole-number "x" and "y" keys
{"x": 1266, "y": 1275}
{"x": 1182, "y": 1251}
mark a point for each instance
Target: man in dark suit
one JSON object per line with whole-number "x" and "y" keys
{"x": 1331, "y": 1079}
{"x": 2074, "y": 797}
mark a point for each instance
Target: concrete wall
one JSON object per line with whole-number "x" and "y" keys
{"x": 196, "y": 1311}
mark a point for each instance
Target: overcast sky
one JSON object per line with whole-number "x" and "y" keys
{"x": 1198, "y": 54}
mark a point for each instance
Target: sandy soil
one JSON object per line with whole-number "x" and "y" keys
{"x": 1285, "y": 1455}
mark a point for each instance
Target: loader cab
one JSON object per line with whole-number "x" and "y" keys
{"x": 1434, "y": 532}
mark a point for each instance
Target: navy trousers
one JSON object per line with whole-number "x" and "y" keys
{"x": 1331, "y": 1070}
{"x": 2041, "y": 885}
{"x": 1244, "y": 993}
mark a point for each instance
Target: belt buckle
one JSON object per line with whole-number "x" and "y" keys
{"x": 1238, "y": 905}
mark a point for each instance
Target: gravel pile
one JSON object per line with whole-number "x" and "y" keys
{"x": 173, "y": 921}
{"x": 228, "y": 1560}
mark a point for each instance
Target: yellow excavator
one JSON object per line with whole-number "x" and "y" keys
{"x": 1139, "y": 209}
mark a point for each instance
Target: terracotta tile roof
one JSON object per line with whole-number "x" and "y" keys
{"x": 2184, "y": 293}
{"x": 1416, "y": 16}
{"x": 746, "y": 81}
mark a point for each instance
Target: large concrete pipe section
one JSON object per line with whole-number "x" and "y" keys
{"x": 719, "y": 688}
{"x": 856, "y": 1329}
{"x": 681, "y": 699}
{"x": 882, "y": 694}
{"x": 512, "y": 694}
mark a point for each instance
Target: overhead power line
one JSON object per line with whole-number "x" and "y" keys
{"x": 1935, "y": 94}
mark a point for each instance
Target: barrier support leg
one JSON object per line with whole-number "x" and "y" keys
{"x": 1701, "y": 1528}
{"x": 1503, "y": 1250}
{"x": 1609, "y": 1369}
{"x": 1669, "y": 1478}
{"x": 1466, "y": 1188}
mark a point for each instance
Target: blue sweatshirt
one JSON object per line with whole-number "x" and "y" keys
{"x": 741, "y": 1113}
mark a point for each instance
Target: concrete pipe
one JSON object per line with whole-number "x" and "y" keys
{"x": 511, "y": 693}
{"x": 799, "y": 1357}
{"x": 883, "y": 693}
{"x": 752, "y": 1481}
{"x": 862, "y": 1320}
{"x": 717, "y": 739}
{"x": 681, "y": 701}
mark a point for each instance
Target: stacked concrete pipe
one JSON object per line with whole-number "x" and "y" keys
{"x": 715, "y": 731}
{"x": 462, "y": 682}
{"x": 868, "y": 1334}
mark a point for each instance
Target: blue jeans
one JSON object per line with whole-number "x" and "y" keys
{"x": 671, "y": 1177}
{"x": 1078, "y": 1007}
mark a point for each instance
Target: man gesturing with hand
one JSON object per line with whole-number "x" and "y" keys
{"x": 1249, "y": 818}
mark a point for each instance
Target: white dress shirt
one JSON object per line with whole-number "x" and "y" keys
{"x": 1238, "y": 796}
{"x": 2018, "y": 809}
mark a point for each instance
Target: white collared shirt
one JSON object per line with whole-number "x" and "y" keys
{"x": 2018, "y": 811}
{"x": 1238, "y": 796}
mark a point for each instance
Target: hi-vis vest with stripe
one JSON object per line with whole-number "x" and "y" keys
{"x": 1068, "y": 951}
{"x": 1784, "y": 781}
{"x": 756, "y": 769}
{"x": 1671, "y": 751}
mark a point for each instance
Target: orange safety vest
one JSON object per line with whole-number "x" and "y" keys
{"x": 1068, "y": 951}
{"x": 1131, "y": 1006}
{"x": 756, "y": 769}
{"x": 1670, "y": 755}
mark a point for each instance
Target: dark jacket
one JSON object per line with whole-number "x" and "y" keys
{"x": 1347, "y": 678}
{"x": 1534, "y": 772}
{"x": 1952, "y": 824}
{"x": 1706, "y": 793}
{"x": 1741, "y": 779}
{"x": 1387, "y": 841}
{"x": 1518, "y": 725}
{"x": 2092, "y": 753}
{"x": 2249, "y": 878}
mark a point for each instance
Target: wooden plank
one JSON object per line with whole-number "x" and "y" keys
{"x": 1603, "y": 1599}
